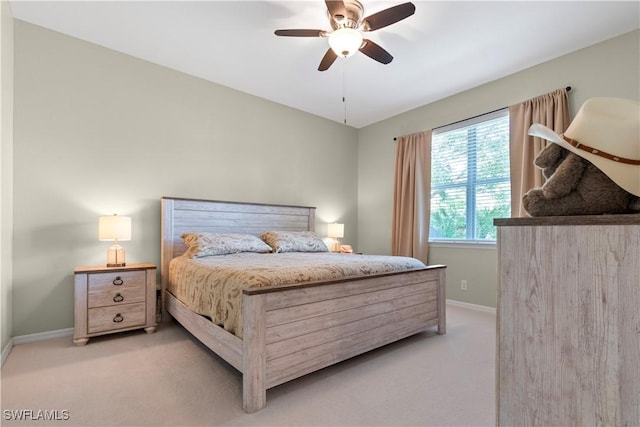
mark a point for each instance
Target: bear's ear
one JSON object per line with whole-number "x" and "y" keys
{"x": 550, "y": 156}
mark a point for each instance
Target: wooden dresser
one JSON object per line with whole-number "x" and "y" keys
{"x": 568, "y": 321}
{"x": 114, "y": 299}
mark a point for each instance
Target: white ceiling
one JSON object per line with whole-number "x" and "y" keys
{"x": 446, "y": 47}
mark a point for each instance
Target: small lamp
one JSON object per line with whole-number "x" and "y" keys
{"x": 114, "y": 228}
{"x": 335, "y": 231}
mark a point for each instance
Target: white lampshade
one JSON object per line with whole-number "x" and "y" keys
{"x": 114, "y": 228}
{"x": 335, "y": 230}
{"x": 345, "y": 41}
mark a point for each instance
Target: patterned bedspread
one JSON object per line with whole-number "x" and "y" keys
{"x": 212, "y": 286}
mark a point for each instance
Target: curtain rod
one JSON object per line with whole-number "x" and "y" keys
{"x": 568, "y": 89}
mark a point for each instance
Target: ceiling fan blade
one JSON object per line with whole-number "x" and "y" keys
{"x": 327, "y": 60}
{"x": 336, "y": 8}
{"x": 374, "y": 51}
{"x": 300, "y": 33}
{"x": 387, "y": 17}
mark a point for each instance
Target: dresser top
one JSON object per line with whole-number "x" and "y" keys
{"x": 626, "y": 219}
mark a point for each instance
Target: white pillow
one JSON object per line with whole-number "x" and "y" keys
{"x": 294, "y": 241}
{"x": 210, "y": 244}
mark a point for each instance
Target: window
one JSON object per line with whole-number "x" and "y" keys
{"x": 470, "y": 178}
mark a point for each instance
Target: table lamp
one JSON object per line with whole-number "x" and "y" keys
{"x": 335, "y": 231}
{"x": 115, "y": 228}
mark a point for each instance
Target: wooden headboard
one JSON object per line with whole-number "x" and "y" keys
{"x": 181, "y": 215}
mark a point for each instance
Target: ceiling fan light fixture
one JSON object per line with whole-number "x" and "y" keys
{"x": 345, "y": 41}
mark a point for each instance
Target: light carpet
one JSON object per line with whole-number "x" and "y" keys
{"x": 169, "y": 379}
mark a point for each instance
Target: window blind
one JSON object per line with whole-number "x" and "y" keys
{"x": 470, "y": 178}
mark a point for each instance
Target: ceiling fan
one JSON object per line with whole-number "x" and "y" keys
{"x": 348, "y": 26}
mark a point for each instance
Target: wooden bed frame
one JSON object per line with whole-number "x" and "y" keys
{"x": 290, "y": 331}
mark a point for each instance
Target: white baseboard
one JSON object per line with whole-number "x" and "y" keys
{"x": 470, "y": 306}
{"x": 6, "y": 350}
{"x": 26, "y": 339}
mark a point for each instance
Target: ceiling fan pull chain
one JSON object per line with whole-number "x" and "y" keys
{"x": 344, "y": 89}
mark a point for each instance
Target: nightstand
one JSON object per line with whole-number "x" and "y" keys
{"x": 113, "y": 299}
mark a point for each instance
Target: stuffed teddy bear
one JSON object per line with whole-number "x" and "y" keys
{"x": 574, "y": 186}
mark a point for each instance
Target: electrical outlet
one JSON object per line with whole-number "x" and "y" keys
{"x": 463, "y": 285}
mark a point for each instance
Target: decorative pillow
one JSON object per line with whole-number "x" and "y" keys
{"x": 207, "y": 244}
{"x": 294, "y": 241}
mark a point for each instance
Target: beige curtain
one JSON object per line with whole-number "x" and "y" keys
{"x": 551, "y": 110}
{"x": 412, "y": 196}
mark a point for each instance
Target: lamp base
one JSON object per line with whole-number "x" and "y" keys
{"x": 115, "y": 256}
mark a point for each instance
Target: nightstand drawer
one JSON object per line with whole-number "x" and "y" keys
{"x": 105, "y": 297}
{"x": 116, "y": 317}
{"x": 116, "y": 280}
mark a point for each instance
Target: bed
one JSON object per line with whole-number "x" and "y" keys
{"x": 327, "y": 321}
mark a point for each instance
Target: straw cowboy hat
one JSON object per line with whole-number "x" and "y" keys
{"x": 606, "y": 132}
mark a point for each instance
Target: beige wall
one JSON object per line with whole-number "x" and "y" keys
{"x": 6, "y": 169}
{"x": 610, "y": 68}
{"x": 98, "y": 132}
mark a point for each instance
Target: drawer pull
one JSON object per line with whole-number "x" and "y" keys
{"x": 118, "y": 281}
{"x": 118, "y": 298}
{"x": 118, "y": 318}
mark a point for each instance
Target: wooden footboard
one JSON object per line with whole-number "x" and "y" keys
{"x": 290, "y": 332}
